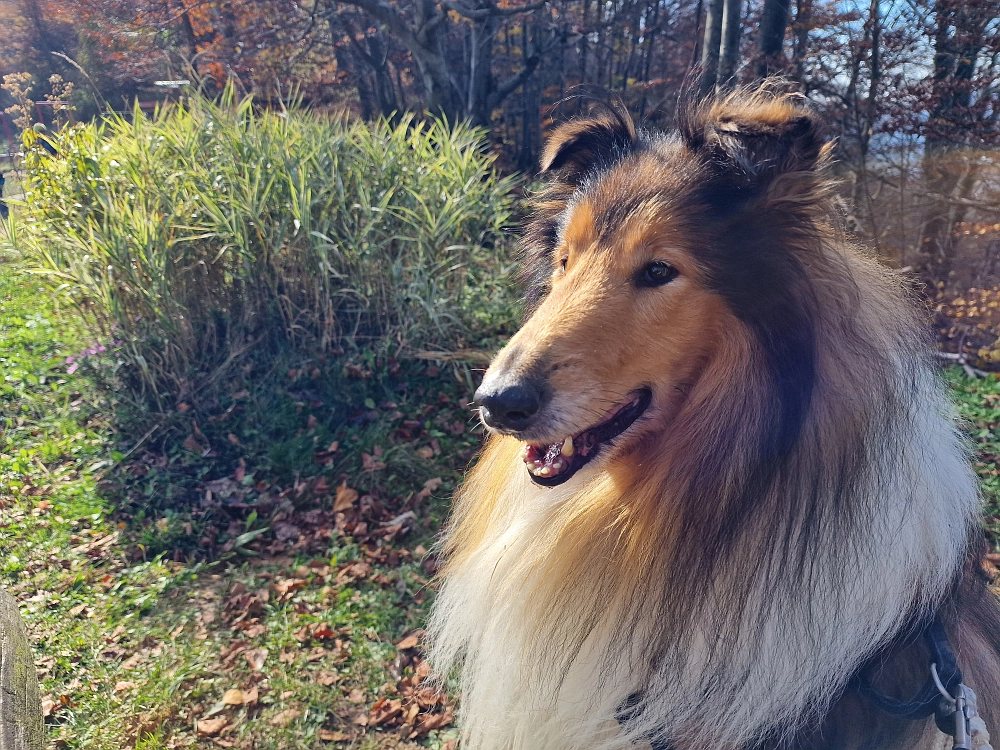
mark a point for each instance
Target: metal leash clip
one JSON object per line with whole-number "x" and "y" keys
{"x": 958, "y": 716}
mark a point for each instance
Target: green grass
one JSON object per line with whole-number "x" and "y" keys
{"x": 978, "y": 401}
{"x": 133, "y": 586}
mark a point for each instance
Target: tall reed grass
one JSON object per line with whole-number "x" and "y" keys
{"x": 212, "y": 228}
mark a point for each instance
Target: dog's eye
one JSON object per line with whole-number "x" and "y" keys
{"x": 657, "y": 273}
{"x": 562, "y": 265}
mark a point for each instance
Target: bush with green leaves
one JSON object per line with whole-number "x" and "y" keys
{"x": 212, "y": 228}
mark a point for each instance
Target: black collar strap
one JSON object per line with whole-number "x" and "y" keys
{"x": 925, "y": 702}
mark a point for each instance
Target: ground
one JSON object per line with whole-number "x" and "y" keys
{"x": 253, "y": 572}
{"x": 174, "y": 606}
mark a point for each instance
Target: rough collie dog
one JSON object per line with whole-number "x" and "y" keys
{"x": 723, "y": 478}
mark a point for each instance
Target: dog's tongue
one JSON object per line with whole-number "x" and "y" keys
{"x": 549, "y": 460}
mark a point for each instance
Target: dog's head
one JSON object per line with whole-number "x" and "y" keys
{"x": 654, "y": 254}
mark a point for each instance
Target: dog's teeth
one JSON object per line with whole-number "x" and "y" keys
{"x": 524, "y": 450}
{"x": 544, "y": 471}
{"x": 567, "y": 446}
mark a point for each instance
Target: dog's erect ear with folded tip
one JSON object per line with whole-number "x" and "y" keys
{"x": 581, "y": 147}
{"x": 749, "y": 141}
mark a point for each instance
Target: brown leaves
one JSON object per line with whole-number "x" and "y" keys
{"x": 237, "y": 697}
{"x": 283, "y": 587}
{"x": 191, "y": 444}
{"x": 244, "y": 604}
{"x": 286, "y": 717}
{"x": 212, "y": 727}
{"x": 345, "y": 498}
{"x": 256, "y": 657}
{"x": 372, "y": 463}
{"x": 325, "y": 457}
{"x": 411, "y": 641}
{"x": 420, "y": 707}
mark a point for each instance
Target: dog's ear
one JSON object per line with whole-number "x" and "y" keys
{"x": 747, "y": 141}
{"x": 578, "y": 147}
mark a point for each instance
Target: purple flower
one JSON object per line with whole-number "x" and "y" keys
{"x": 72, "y": 368}
{"x": 69, "y": 359}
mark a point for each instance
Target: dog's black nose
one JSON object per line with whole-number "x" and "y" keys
{"x": 510, "y": 406}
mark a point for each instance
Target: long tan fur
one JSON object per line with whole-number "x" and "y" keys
{"x": 795, "y": 501}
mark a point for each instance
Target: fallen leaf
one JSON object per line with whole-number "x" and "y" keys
{"x": 433, "y": 484}
{"x": 326, "y": 679}
{"x": 233, "y": 439}
{"x": 323, "y": 631}
{"x": 345, "y": 498}
{"x": 256, "y": 657}
{"x": 48, "y": 706}
{"x": 369, "y": 463}
{"x": 211, "y": 727}
{"x": 233, "y": 697}
{"x": 425, "y": 452}
{"x": 251, "y": 696}
{"x": 311, "y": 422}
{"x": 122, "y": 686}
{"x": 409, "y": 642}
{"x": 254, "y": 630}
{"x": 286, "y": 717}
{"x": 356, "y": 696}
{"x": 190, "y": 444}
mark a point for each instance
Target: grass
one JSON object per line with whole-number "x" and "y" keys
{"x": 211, "y": 230}
{"x": 213, "y": 597}
{"x": 978, "y": 401}
{"x": 197, "y": 588}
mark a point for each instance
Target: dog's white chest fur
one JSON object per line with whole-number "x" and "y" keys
{"x": 531, "y": 682}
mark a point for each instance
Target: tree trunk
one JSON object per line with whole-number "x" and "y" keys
{"x": 710, "y": 47}
{"x": 803, "y": 20}
{"x": 729, "y": 58}
{"x": 773, "y": 21}
{"x": 21, "y": 725}
{"x": 948, "y": 175}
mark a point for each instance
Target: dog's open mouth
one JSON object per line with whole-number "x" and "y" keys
{"x": 552, "y": 464}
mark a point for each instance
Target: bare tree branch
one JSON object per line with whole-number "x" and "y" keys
{"x": 492, "y": 11}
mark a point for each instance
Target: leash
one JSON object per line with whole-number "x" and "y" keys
{"x": 953, "y": 704}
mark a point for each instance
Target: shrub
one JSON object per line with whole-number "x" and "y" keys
{"x": 211, "y": 228}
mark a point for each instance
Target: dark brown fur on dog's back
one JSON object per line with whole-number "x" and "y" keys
{"x": 784, "y": 500}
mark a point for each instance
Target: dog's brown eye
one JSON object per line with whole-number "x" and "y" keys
{"x": 562, "y": 264}
{"x": 657, "y": 273}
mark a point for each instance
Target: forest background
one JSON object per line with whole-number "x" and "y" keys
{"x": 908, "y": 87}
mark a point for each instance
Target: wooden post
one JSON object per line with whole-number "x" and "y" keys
{"x": 21, "y": 725}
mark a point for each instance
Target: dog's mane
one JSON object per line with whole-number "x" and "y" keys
{"x": 813, "y": 483}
